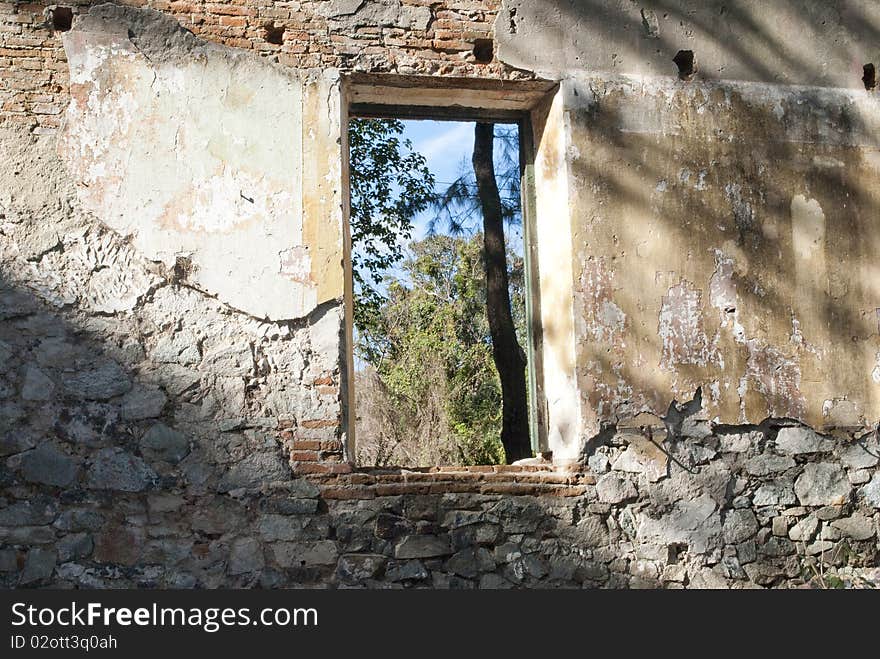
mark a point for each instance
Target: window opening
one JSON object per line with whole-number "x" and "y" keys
{"x": 440, "y": 343}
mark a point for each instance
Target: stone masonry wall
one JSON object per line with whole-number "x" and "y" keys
{"x": 117, "y": 378}
{"x": 148, "y": 431}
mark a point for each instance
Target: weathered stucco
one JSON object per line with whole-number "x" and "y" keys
{"x": 721, "y": 225}
{"x": 200, "y": 155}
{"x": 800, "y": 42}
{"x": 724, "y": 240}
{"x": 553, "y": 234}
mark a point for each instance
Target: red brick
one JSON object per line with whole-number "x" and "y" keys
{"x": 360, "y": 479}
{"x": 304, "y": 456}
{"x": 234, "y": 21}
{"x": 306, "y": 445}
{"x": 395, "y": 489}
{"x": 517, "y": 489}
{"x": 357, "y": 492}
{"x": 320, "y": 468}
{"x": 230, "y": 10}
{"x": 318, "y": 423}
{"x": 455, "y": 487}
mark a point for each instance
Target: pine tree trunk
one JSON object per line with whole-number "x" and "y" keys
{"x": 510, "y": 361}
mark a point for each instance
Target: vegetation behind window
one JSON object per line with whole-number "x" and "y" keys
{"x": 428, "y": 389}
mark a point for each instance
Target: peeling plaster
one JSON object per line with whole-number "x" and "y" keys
{"x": 681, "y": 330}
{"x": 604, "y": 320}
{"x": 721, "y": 273}
{"x": 754, "y": 40}
{"x": 776, "y": 378}
{"x": 807, "y": 227}
{"x": 842, "y": 413}
{"x": 219, "y": 135}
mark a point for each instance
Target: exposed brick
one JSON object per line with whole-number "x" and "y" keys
{"x": 305, "y": 456}
{"x": 234, "y": 21}
{"x": 351, "y": 492}
{"x": 318, "y": 423}
{"x": 455, "y": 487}
{"x": 320, "y": 468}
{"x": 519, "y": 489}
{"x": 361, "y": 479}
{"x": 393, "y": 489}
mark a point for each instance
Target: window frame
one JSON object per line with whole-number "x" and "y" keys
{"x": 453, "y": 99}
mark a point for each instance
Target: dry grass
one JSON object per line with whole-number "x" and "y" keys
{"x": 405, "y": 435}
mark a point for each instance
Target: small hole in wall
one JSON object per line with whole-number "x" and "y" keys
{"x": 870, "y": 77}
{"x": 673, "y": 553}
{"x": 484, "y": 50}
{"x": 686, "y": 63}
{"x": 62, "y": 18}
{"x": 183, "y": 268}
{"x": 274, "y": 33}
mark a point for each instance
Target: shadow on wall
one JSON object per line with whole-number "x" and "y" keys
{"x": 752, "y": 40}
{"x": 139, "y": 418}
{"x": 114, "y": 478}
{"x": 707, "y": 203}
{"x": 723, "y": 232}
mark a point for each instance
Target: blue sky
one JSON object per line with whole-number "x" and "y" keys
{"x": 447, "y": 147}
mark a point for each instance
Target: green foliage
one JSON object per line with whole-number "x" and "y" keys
{"x": 434, "y": 321}
{"x": 433, "y": 391}
{"x": 390, "y": 184}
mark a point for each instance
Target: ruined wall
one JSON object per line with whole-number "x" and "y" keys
{"x": 167, "y": 421}
{"x": 233, "y": 175}
{"x": 724, "y": 240}
{"x": 721, "y": 221}
{"x": 790, "y": 42}
{"x": 137, "y": 356}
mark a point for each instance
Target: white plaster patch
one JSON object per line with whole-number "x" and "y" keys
{"x": 202, "y": 157}
{"x": 807, "y": 226}
{"x": 714, "y": 391}
{"x": 296, "y": 264}
{"x": 681, "y": 332}
{"x": 827, "y": 162}
{"x": 776, "y": 377}
{"x": 797, "y": 337}
{"x": 722, "y": 294}
{"x": 603, "y": 319}
{"x": 612, "y": 317}
{"x": 722, "y": 288}
{"x": 842, "y": 413}
{"x": 223, "y": 203}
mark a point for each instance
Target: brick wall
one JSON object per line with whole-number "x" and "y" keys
{"x": 421, "y": 37}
